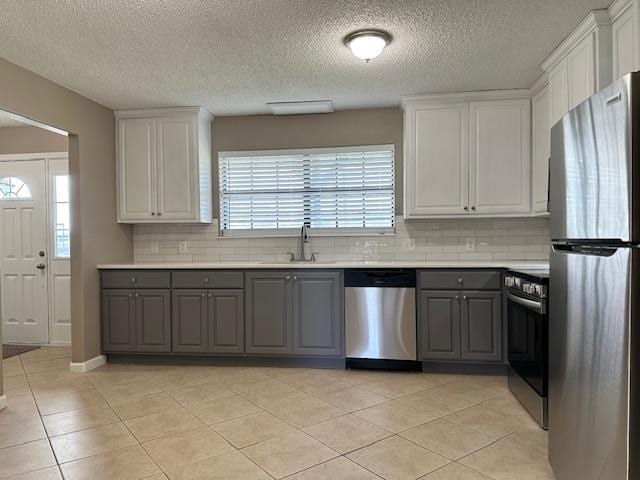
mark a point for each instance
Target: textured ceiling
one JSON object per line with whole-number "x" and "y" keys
{"x": 8, "y": 120}
{"x": 234, "y": 56}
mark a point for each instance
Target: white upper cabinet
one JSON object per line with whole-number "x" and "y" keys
{"x": 436, "y": 182}
{"x": 500, "y": 164}
{"x": 164, "y": 165}
{"x": 581, "y": 65}
{"x": 467, "y": 154}
{"x": 540, "y": 149}
{"x": 136, "y": 168}
{"x": 624, "y": 34}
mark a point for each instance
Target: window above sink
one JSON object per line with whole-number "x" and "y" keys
{"x": 337, "y": 190}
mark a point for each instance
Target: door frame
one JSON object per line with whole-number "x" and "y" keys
{"x": 45, "y": 156}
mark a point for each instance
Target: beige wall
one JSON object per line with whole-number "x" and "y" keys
{"x": 29, "y": 139}
{"x": 374, "y": 126}
{"x": 96, "y": 237}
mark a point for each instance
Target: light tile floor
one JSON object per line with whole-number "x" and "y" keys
{"x": 156, "y": 422}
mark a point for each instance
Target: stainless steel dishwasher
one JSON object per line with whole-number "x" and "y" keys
{"x": 380, "y": 318}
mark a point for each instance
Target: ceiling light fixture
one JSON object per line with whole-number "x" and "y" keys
{"x": 367, "y": 44}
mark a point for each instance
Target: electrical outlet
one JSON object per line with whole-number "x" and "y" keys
{"x": 182, "y": 246}
{"x": 408, "y": 244}
{"x": 154, "y": 247}
{"x": 471, "y": 244}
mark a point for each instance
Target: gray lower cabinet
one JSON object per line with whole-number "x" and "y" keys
{"x": 225, "y": 310}
{"x": 136, "y": 320}
{"x": 317, "y": 313}
{"x": 481, "y": 326}
{"x": 440, "y": 317}
{"x": 118, "y": 321}
{"x": 189, "y": 325}
{"x": 208, "y": 321}
{"x": 294, "y": 313}
{"x": 153, "y": 320}
{"x": 268, "y": 314}
{"x": 461, "y": 325}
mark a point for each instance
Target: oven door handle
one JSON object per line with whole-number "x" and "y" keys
{"x": 537, "y": 306}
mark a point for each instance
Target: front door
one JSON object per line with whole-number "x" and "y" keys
{"x": 23, "y": 241}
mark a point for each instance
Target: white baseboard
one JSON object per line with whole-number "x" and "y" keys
{"x": 82, "y": 367}
{"x": 3, "y": 401}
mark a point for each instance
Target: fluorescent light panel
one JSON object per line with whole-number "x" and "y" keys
{"x": 301, "y": 108}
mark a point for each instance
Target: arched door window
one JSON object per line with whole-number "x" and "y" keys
{"x": 12, "y": 188}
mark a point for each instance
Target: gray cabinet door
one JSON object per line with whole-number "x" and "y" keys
{"x": 226, "y": 321}
{"x": 481, "y": 326}
{"x": 268, "y": 312}
{"x": 118, "y": 321}
{"x": 189, "y": 322}
{"x": 317, "y": 313}
{"x": 440, "y": 324}
{"x": 153, "y": 320}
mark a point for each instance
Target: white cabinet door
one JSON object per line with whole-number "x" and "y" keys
{"x": 581, "y": 72}
{"x": 177, "y": 168}
{"x": 500, "y": 158}
{"x": 137, "y": 199}
{"x": 541, "y": 136}
{"x": 625, "y": 48}
{"x": 558, "y": 91}
{"x": 436, "y": 159}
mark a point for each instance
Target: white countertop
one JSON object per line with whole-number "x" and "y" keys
{"x": 336, "y": 265}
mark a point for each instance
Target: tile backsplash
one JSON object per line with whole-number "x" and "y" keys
{"x": 463, "y": 240}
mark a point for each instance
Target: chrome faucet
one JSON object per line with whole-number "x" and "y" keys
{"x": 304, "y": 242}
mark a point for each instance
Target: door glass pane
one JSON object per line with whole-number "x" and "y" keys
{"x": 12, "y": 188}
{"x": 62, "y": 217}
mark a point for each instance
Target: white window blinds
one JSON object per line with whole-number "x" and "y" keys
{"x": 333, "y": 189}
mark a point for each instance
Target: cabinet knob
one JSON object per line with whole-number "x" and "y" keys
{"x": 457, "y": 297}
{"x": 153, "y": 213}
{"x": 460, "y": 280}
{"x": 133, "y": 280}
{"x": 210, "y": 295}
{"x": 464, "y": 297}
{"x": 159, "y": 213}
{"x": 466, "y": 208}
{"x": 131, "y": 295}
{"x": 472, "y": 208}
{"x": 137, "y": 295}
{"x": 295, "y": 277}
{"x": 288, "y": 277}
{"x": 202, "y": 295}
{"x": 206, "y": 279}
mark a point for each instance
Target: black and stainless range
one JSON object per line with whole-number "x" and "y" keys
{"x": 528, "y": 343}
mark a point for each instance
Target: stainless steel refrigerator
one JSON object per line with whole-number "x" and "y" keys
{"x": 594, "y": 337}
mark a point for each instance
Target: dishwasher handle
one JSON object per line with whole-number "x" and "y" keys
{"x": 385, "y": 278}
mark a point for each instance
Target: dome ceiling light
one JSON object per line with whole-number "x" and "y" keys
{"x": 367, "y": 44}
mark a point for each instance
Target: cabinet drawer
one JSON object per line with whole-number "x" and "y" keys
{"x": 460, "y": 279}
{"x": 207, "y": 279}
{"x": 135, "y": 279}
